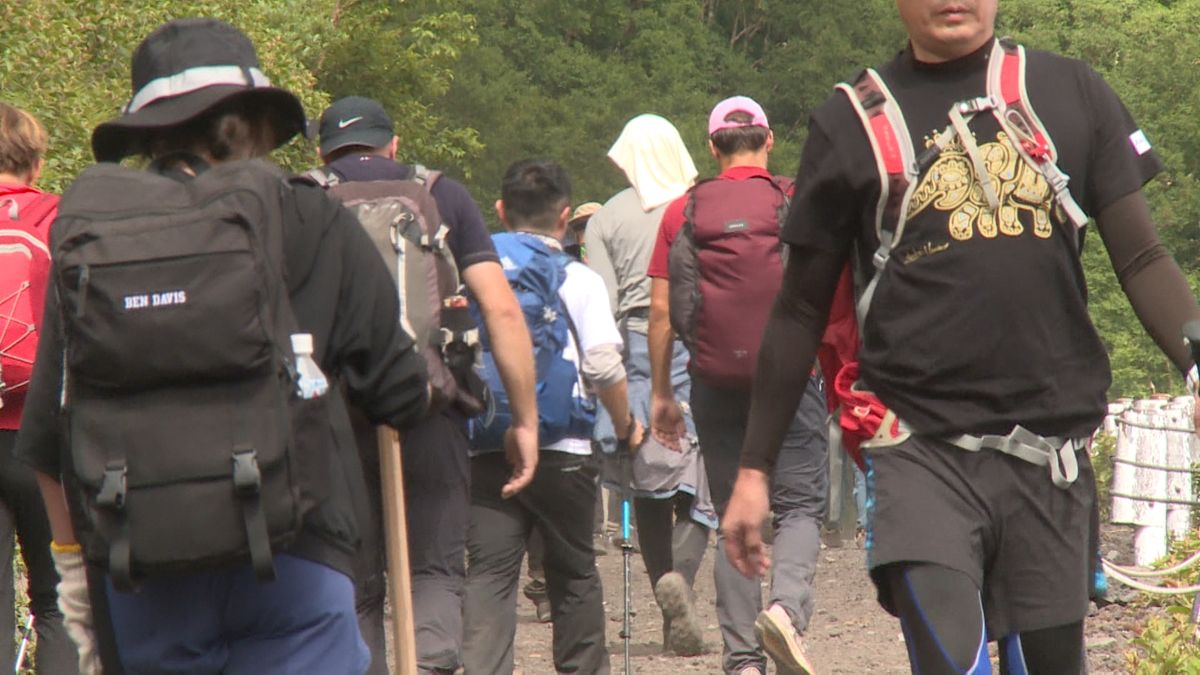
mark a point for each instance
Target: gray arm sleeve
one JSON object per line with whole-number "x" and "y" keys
{"x": 602, "y": 366}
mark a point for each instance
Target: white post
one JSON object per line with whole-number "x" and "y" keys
{"x": 1114, "y": 412}
{"x": 1124, "y": 475}
{"x": 1150, "y": 542}
{"x": 1179, "y": 456}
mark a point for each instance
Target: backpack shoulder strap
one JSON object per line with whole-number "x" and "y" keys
{"x": 426, "y": 176}
{"x": 1006, "y": 87}
{"x": 29, "y": 206}
{"x": 784, "y": 183}
{"x": 895, "y": 159}
{"x": 322, "y": 176}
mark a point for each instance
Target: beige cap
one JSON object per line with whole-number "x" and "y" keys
{"x": 584, "y": 211}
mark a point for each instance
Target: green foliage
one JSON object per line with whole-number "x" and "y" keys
{"x": 1104, "y": 448}
{"x": 402, "y": 56}
{"x": 1166, "y": 646}
{"x": 1169, "y": 642}
{"x": 73, "y": 72}
{"x": 72, "y": 68}
{"x": 560, "y": 79}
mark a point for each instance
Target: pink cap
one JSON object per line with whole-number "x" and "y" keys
{"x": 716, "y": 119}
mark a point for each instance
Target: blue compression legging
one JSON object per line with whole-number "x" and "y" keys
{"x": 942, "y": 616}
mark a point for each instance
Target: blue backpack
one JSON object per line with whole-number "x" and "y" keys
{"x": 536, "y": 272}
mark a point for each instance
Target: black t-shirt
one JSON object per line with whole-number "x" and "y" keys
{"x": 977, "y": 324}
{"x": 468, "y": 238}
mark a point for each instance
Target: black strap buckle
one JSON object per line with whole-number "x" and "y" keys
{"x": 247, "y": 479}
{"x": 113, "y": 486}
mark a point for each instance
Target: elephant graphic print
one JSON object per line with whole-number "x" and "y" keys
{"x": 950, "y": 186}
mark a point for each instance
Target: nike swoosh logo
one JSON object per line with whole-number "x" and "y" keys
{"x": 342, "y": 124}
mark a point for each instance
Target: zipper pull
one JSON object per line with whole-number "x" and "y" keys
{"x": 85, "y": 276}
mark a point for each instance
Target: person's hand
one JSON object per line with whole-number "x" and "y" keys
{"x": 521, "y": 450}
{"x": 666, "y": 422}
{"x": 742, "y": 523}
{"x": 75, "y": 605}
{"x": 633, "y": 437}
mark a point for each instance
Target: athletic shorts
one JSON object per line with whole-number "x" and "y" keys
{"x": 998, "y": 519}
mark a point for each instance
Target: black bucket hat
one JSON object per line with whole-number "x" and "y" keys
{"x": 185, "y": 68}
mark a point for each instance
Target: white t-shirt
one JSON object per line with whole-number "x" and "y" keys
{"x": 586, "y": 298}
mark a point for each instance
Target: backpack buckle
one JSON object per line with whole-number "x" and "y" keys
{"x": 976, "y": 105}
{"x": 247, "y": 479}
{"x": 113, "y": 486}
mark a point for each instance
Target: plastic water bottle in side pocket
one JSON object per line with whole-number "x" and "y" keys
{"x": 311, "y": 382}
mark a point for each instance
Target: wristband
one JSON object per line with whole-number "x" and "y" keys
{"x": 56, "y": 547}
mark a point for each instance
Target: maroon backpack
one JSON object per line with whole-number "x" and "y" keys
{"x": 726, "y": 267}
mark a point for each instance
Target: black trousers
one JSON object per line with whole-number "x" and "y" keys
{"x": 560, "y": 504}
{"x": 24, "y": 515}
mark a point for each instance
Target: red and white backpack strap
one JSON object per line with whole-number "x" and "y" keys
{"x": 896, "y": 161}
{"x": 1006, "y": 87}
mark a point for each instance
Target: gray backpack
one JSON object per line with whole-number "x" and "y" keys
{"x": 403, "y": 221}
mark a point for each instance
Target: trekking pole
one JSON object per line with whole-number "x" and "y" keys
{"x": 24, "y": 645}
{"x": 404, "y": 641}
{"x": 626, "y": 549}
{"x": 1191, "y": 333}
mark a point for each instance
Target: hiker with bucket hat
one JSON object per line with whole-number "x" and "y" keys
{"x": 210, "y": 309}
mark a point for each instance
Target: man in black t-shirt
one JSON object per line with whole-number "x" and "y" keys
{"x": 979, "y": 324}
{"x": 358, "y": 143}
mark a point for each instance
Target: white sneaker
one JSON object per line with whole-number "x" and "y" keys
{"x": 779, "y": 639}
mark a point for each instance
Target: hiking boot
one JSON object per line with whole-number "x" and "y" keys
{"x": 536, "y": 592}
{"x": 781, "y": 641}
{"x": 682, "y": 634}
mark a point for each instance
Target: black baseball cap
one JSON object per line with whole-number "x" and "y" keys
{"x": 355, "y": 120}
{"x": 184, "y": 69}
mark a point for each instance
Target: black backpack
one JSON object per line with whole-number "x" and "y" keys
{"x": 179, "y": 391}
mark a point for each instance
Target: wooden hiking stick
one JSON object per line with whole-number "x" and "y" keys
{"x": 395, "y": 523}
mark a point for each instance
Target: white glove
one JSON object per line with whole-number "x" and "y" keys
{"x": 76, "y": 606}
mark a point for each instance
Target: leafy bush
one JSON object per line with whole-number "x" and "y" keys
{"x": 1169, "y": 643}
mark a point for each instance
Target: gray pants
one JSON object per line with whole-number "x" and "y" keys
{"x": 560, "y": 503}
{"x": 436, "y": 501}
{"x": 798, "y": 499}
{"x": 23, "y": 514}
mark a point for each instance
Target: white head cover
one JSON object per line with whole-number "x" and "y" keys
{"x": 654, "y": 159}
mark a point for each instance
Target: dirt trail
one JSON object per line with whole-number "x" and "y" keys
{"x": 849, "y": 633}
